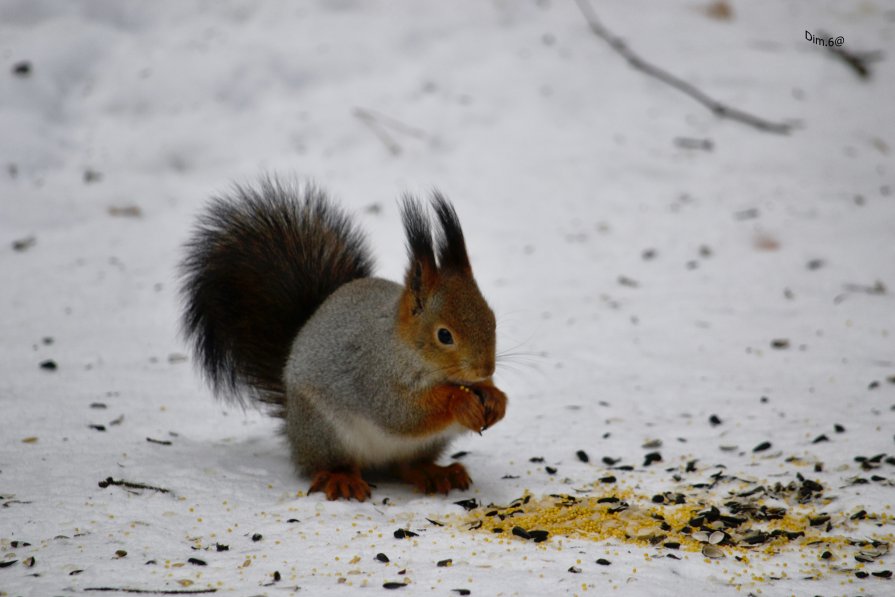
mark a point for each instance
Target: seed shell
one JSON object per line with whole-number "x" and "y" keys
{"x": 712, "y": 552}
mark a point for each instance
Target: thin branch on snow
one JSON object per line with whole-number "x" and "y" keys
{"x": 378, "y": 123}
{"x": 858, "y": 61}
{"x": 128, "y": 485}
{"x": 717, "y": 108}
{"x": 368, "y": 119}
{"x": 152, "y": 592}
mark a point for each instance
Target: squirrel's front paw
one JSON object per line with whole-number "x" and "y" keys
{"x": 468, "y": 409}
{"x": 494, "y": 402}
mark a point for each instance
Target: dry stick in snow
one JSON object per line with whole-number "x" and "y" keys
{"x": 858, "y": 61}
{"x": 369, "y": 120}
{"x": 128, "y": 485}
{"x": 151, "y": 592}
{"x": 379, "y": 122}
{"x": 716, "y": 107}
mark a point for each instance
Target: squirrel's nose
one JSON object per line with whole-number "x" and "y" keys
{"x": 485, "y": 370}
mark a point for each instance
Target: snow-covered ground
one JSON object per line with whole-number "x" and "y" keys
{"x": 642, "y": 285}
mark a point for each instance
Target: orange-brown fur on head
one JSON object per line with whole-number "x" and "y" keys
{"x": 442, "y": 312}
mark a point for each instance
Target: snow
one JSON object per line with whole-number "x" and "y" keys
{"x": 562, "y": 163}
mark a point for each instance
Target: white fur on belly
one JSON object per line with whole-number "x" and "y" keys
{"x": 372, "y": 445}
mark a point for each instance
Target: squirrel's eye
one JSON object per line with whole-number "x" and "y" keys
{"x": 444, "y": 336}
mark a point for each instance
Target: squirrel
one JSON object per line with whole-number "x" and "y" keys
{"x": 281, "y": 310}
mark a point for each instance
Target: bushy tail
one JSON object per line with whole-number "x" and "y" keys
{"x": 258, "y": 265}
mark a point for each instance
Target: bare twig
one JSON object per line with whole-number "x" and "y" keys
{"x": 717, "y": 108}
{"x": 377, "y": 129}
{"x": 393, "y": 123}
{"x": 378, "y": 123}
{"x": 858, "y": 61}
{"x": 128, "y": 485}
{"x": 691, "y": 143}
{"x": 6, "y": 504}
{"x": 877, "y": 288}
{"x": 151, "y": 592}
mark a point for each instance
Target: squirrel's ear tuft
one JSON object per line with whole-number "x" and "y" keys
{"x": 422, "y": 272}
{"x": 452, "y": 254}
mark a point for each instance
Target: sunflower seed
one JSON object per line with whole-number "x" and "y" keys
{"x": 538, "y": 535}
{"x": 755, "y": 537}
{"x": 701, "y": 536}
{"x": 652, "y": 457}
{"x": 469, "y": 504}
{"x": 713, "y": 552}
{"x": 819, "y": 520}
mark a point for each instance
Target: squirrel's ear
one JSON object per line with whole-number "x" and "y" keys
{"x": 422, "y": 273}
{"x": 452, "y": 254}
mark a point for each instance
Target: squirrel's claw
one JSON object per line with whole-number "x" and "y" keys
{"x": 494, "y": 402}
{"x": 340, "y": 484}
{"x": 468, "y": 409}
{"x": 429, "y": 477}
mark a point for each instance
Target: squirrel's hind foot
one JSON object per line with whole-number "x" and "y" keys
{"x": 341, "y": 484}
{"x": 429, "y": 477}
